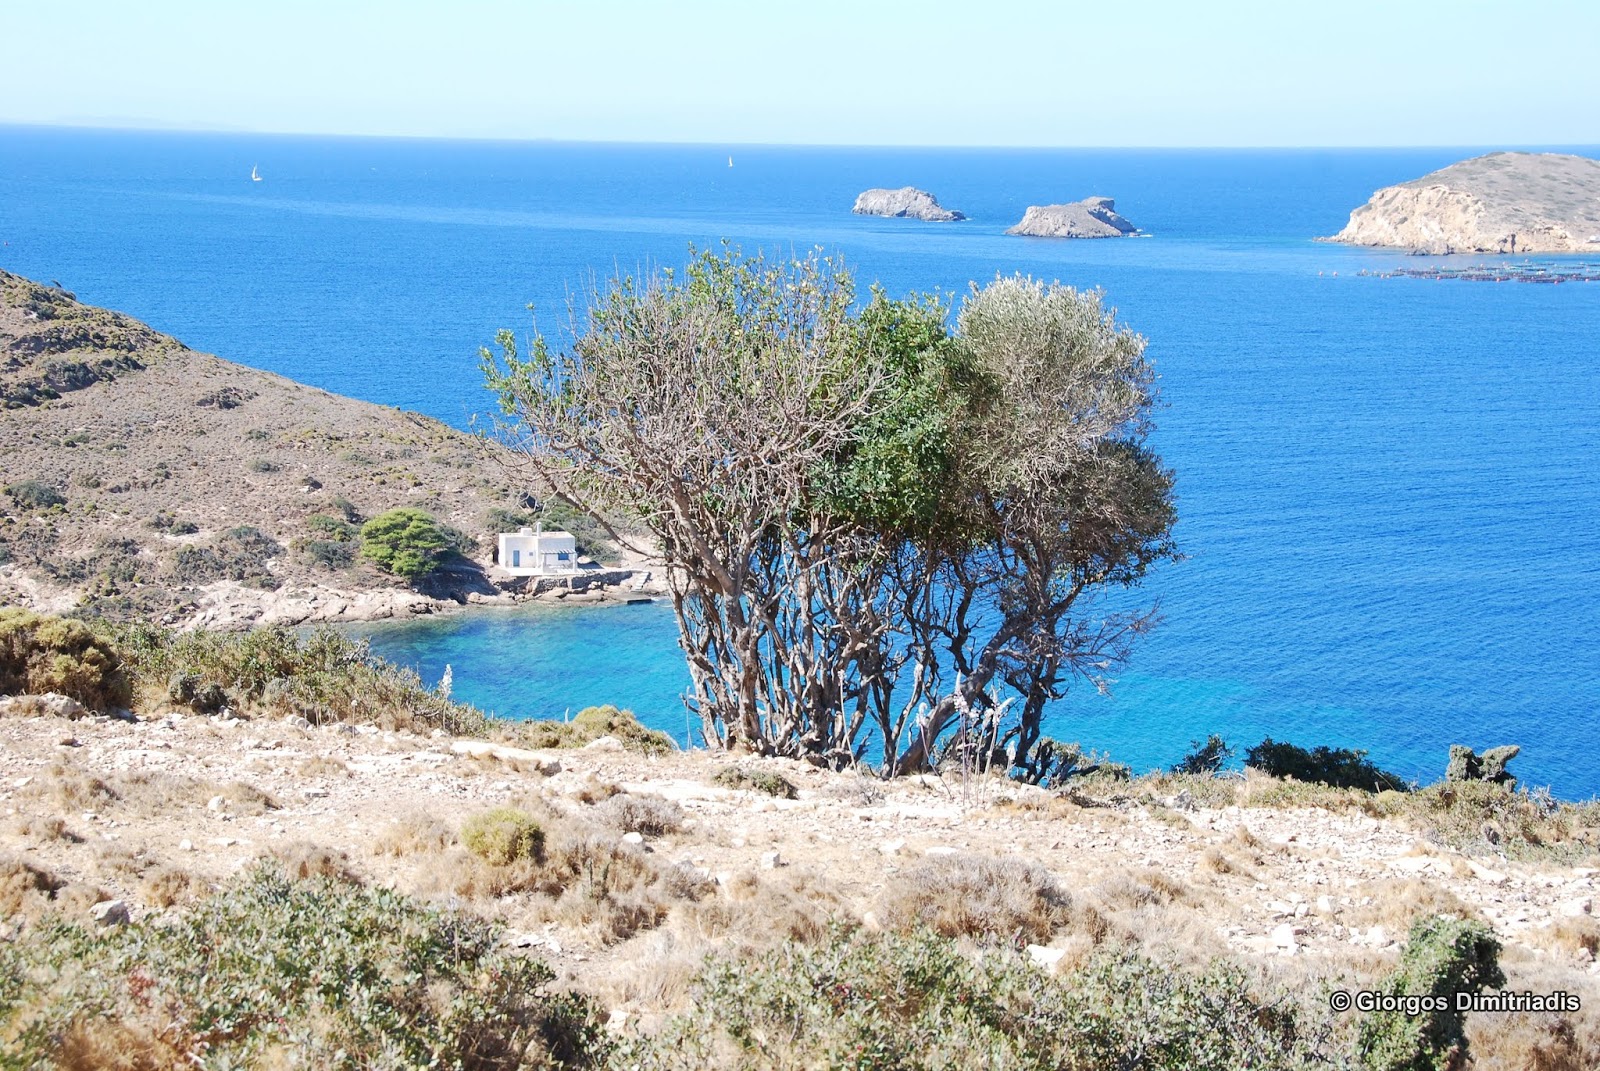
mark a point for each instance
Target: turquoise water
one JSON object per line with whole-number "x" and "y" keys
{"x": 1386, "y": 487}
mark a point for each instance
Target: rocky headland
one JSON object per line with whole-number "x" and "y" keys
{"x": 1092, "y": 217}
{"x": 140, "y": 479}
{"x": 908, "y": 202}
{"x": 1504, "y": 202}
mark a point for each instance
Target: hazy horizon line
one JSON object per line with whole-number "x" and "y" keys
{"x": 112, "y": 125}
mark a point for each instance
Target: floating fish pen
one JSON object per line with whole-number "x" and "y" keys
{"x": 1528, "y": 272}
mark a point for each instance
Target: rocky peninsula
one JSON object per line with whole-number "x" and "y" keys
{"x": 1092, "y": 217}
{"x": 144, "y": 480}
{"x": 908, "y": 202}
{"x": 1504, "y": 202}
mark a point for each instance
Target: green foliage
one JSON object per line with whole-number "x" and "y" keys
{"x": 1052, "y": 764}
{"x": 504, "y": 835}
{"x": 35, "y": 494}
{"x": 318, "y": 973}
{"x": 1335, "y": 767}
{"x": 52, "y": 654}
{"x": 323, "y": 677}
{"x": 743, "y": 777}
{"x": 590, "y": 724}
{"x": 1443, "y": 956}
{"x": 898, "y": 472}
{"x": 261, "y": 464}
{"x": 916, "y": 1003}
{"x": 405, "y": 542}
{"x": 334, "y": 528}
{"x": 329, "y": 553}
{"x": 1204, "y": 758}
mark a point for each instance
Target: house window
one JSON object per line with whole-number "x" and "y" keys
{"x": 561, "y": 555}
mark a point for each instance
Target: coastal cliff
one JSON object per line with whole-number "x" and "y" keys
{"x": 1504, "y": 202}
{"x": 140, "y": 479}
{"x": 1092, "y": 217}
{"x": 908, "y": 202}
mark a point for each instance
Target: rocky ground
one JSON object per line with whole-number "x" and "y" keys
{"x": 153, "y": 812}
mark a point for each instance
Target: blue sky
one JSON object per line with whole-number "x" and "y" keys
{"x": 1001, "y": 72}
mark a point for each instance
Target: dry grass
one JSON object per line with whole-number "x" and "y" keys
{"x": 46, "y": 827}
{"x": 415, "y": 834}
{"x": 305, "y": 861}
{"x": 978, "y": 896}
{"x": 323, "y": 766}
{"x": 649, "y": 815}
{"x": 167, "y": 886}
{"x": 32, "y": 891}
{"x": 1395, "y": 905}
{"x": 1539, "y": 1041}
{"x": 70, "y": 788}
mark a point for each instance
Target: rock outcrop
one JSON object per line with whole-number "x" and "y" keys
{"x": 908, "y": 202}
{"x": 1505, "y": 202}
{"x": 1092, "y": 217}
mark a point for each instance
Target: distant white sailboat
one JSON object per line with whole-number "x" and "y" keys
{"x": 255, "y": 176}
{"x": 730, "y": 161}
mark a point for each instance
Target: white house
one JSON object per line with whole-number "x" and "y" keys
{"x": 535, "y": 552}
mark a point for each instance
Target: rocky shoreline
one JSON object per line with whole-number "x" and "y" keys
{"x": 1504, "y": 202}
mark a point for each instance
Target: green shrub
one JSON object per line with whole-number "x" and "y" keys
{"x": 318, "y": 973}
{"x": 504, "y": 835}
{"x": 916, "y": 1003}
{"x": 1206, "y": 758}
{"x": 261, "y": 464}
{"x": 334, "y": 528}
{"x": 405, "y": 542}
{"x": 1053, "y": 763}
{"x": 35, "y": 494}
{"x": 52, "y": 654}
{"x": 743, "y": 777}
{"x": 1335, "y": 767}
{"x": 329, "y": 553}
{"x": 590, "y": 724}
{"x": 1443, "y": 956}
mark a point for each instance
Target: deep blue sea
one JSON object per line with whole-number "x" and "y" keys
{"x": 1387, "y": 487}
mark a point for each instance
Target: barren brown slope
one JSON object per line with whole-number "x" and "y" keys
{"x": 1508, "y": 202}
{"x": 148, "y": 480}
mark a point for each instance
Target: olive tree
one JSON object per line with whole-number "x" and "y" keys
{"x": 874, "y": 528}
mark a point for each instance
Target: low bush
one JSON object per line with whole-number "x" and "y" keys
{"x": 1053, "y": 763}
{"x": 239, "y": 554}
{"x": 503, "y": 836}
{"x": 743, "y": 777}
{"x": 963, "y": 895}
{"x": 916, "y": 1003}
{"x": 1204, "y": 758}
{"x": 589, "y": 725}
{"x": 276, "y": 972}
{"x": 35, "y": 494}
{"x": 649, "y": 815}
{"x": 1443, "y": 956}
{"x": 1335, "y": 767}
{"x": 40, "y": 654}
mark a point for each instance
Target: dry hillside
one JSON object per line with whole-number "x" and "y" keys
{"x": 147, "y": 480}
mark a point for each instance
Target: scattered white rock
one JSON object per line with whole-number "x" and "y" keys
{"x": 634, "y": 837}
{"x": 604, "y": 743}
{"x": 771, "y": 860}
{"x": 110, "y": 913}
{"x": 892, "y": 847}
{"x": 1048, "y": 958}
{"x": 1573, "y": 909}
{"x": 186, "y": 845}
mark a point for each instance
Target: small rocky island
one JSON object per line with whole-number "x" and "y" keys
{"x": 1092, "y": 217}
{"x": 1505, "y": 202}
{"x": 907, "y": 202}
